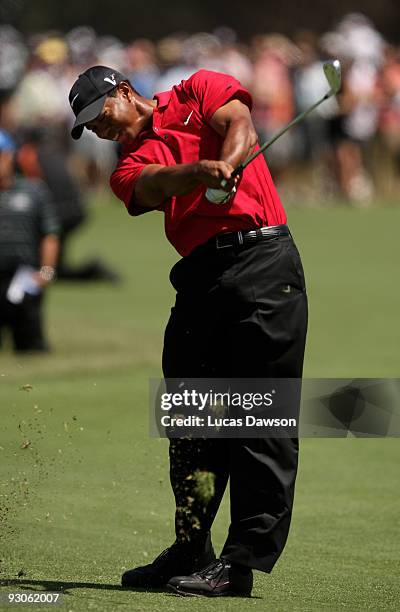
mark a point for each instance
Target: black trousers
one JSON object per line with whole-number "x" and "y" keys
{"x": 239, "y": 312}
{"x": 25, "y": 320}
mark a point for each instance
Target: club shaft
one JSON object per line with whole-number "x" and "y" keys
{"x": 287, "y": 127}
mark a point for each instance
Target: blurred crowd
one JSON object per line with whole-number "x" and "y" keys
{"x": 349, "y": 148}
{"x": 340, "y": 145}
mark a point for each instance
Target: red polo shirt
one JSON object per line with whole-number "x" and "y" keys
{"x": 181, "y": 133}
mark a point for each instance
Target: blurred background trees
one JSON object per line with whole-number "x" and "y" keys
{"x": 128, "y": 19}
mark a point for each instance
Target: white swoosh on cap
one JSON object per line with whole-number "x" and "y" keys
{"x": 73, "y": 100}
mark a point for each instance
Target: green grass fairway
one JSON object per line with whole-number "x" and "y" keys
{"x": 84, "y": 491}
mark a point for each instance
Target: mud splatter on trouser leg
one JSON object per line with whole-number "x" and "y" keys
{"x": 198, "y": 477}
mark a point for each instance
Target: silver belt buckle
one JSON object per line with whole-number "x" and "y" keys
{"x": 224, "y": 246}
{"x": 221, "y": 246}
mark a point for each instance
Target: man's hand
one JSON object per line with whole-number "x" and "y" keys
{"x": 216, "y": 175}
{"x": 211, "y": 173}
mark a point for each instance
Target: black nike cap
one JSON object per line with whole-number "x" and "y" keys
{"x": 88, "y": 94}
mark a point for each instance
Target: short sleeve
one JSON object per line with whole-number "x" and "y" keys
{"x": 123, "y": 181}
{"x": 214, "y": 89}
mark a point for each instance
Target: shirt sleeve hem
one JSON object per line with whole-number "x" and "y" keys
{"x": 135, "y": 209}
{"x": 240, "y": 94}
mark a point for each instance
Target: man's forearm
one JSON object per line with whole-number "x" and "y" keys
{"x": 158, "y": 183}
{"x": 49, "y": 249}
{"x": 239, "y": 142}
{"x": 234, "y": 124}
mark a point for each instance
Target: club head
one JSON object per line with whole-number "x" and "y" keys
{"x": 333, "y": 74}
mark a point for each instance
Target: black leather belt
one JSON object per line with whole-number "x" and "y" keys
{"x": 234, "y": 239}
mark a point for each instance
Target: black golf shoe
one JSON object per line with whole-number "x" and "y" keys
{"x": 220, "y": 578}
{"x": 178, "y": 559}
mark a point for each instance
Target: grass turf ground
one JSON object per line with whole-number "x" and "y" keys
{"x": 84, "y": 490}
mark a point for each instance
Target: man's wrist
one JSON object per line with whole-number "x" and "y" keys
{"x": 196, "y": 171}
{"x": 47, "y": 273}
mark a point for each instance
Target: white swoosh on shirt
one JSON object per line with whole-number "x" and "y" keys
{"x": 188, "y": 119}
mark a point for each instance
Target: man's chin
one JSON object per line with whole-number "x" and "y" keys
{"x": 124, "y": 139}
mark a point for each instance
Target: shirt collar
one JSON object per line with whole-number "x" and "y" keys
{"x": 162, "y": 98}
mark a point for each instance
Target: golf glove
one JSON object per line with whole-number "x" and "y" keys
{"x": 219, "y": 196}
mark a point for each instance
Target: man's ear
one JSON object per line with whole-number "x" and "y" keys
{"x": 125, "y": 90}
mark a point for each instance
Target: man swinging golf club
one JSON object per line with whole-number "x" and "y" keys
{"x": 240, "y": 312}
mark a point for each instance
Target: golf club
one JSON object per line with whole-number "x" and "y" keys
{"x": 333, "y": 74}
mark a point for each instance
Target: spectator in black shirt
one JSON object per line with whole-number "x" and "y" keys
{"x": 28, "y": 248}
{"x": 40, "y": 156}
